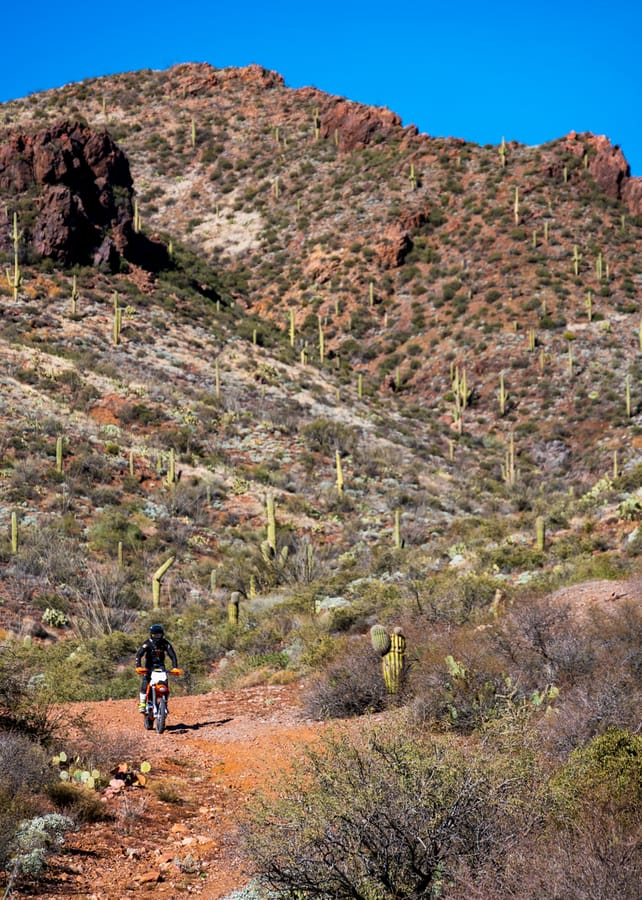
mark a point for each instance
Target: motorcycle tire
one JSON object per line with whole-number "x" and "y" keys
{"x": 161, "y": 715}
{"x": 149, "y": 721}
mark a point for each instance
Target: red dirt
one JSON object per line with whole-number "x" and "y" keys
{"x": 217, "y": 749}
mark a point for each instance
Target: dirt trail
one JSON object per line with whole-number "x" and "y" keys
{"x": 217, "y": 748}
{"x": 178, "y": 835}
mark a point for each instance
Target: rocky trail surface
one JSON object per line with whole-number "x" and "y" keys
{"x": 177, "y": 834}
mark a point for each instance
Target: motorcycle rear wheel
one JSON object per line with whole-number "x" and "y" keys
{"x": 161, "y": 715}
{"x": 149, "y": 721}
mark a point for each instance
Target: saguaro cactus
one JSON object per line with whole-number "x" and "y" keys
{"x": 339, "y": 473}
{"x": 137, "y": 219}
{"x": 170, "y": 477}
{"x": 156, "y": 581}
{"x": 14, "y": 532}
{"x": 74, "y": 295}
{"x": 503, "y": 394}
{"x": 577, "y": 258}
{"x": 398, "y": 540}
{"x": 15, "y": 280}
{"x": 509, "y": 471}
{"x": 59, "y": 454}
{"x": 233, "y": 608}
{"x": 392, "y": 648}
{"x": 118, "y": 320}
{"x": 627, "y": 396}
{"x": 270, "y": 512}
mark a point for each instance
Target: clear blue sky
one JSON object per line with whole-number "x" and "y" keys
{"x": 526, "y": 71}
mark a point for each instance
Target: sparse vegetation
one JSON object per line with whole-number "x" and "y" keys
{"x": 314, "y": 336}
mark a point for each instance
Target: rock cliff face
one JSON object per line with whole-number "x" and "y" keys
{"x": 82, "y": 189}
{"x": 354, "y": 126}
{"x": 610, "y": 170}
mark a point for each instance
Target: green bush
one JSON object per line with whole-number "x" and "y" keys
{"x": 112, "y": 526}
{"x": 379, "y": 817}
{"x": 606, "y": 773}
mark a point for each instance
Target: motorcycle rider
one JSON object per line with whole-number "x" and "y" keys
{"x": 153, "y": 650}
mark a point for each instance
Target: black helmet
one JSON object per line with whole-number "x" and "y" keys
{"x": 156, "y": 631}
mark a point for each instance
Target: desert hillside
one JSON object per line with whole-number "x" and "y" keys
{"x": 302, "y": 384}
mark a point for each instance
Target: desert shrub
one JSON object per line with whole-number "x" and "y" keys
{"x": 373, "y": 817}
{"x": 594, "y": 847}
{"x": 457, "y": 600}
{"x": 23, "y": 484}
{"x": 93, "y": 669}
{"x": 606, "y": 773}
{"x": 77, "y": 801}
{"x": 457, "y": 680}
{"x": 51, "y": 556}
{"x": 24, "y": 772}
{"x": 169, "y": 790}
{"x": 90, "y": 468}
{"x": 351, "y": 685}
{"x": 22, "y": 764}
{"x": 599, "y": 859}
{"x": 328, "y": 435}
{"x": 112, "y": 526}
{"x": 105, "y": 602}
{"x": 188, "y": 500}
{"x": 24, "y": 707}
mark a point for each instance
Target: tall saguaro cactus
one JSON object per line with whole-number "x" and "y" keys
{"x": 59, "y": 443}
{"x": 15, "y": 280}
{"x": 157, "y": 579}
{"x": 270, "y": 512}
{"x": 339, "y": 468}
{"x": 233, "y": 608}
{"x": 14, "y": 532}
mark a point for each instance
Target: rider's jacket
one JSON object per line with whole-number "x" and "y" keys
{"x": 153, "y": 651}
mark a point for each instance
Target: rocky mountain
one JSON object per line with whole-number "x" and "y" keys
{"x": 219, "y": 289}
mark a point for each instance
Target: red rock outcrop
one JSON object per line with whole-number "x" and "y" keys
{"x": 394, "y": 247}
{"x": 82, "y": 188}
{"x": 192, "y": 79}
{"x": 609, "y": 168}
{"x": 355, "y": 126}
{"x": 632, "y": 195}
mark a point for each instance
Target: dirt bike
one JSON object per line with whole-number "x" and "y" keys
{"x": 157, "y": 696}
